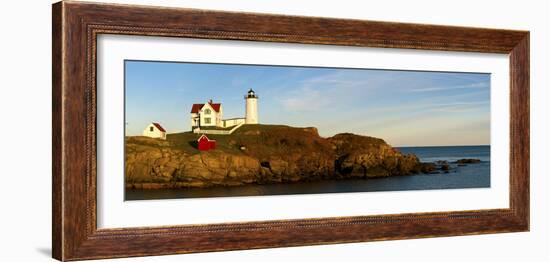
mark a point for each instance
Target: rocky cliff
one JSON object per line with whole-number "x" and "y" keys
{"x": 261, "y": 154}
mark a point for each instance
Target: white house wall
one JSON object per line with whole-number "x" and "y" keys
{"x": 193, "y": 117}
{"x": 232, "y": 122}
{"x": 220, "y": 117}
{"x": 213, "y": 116}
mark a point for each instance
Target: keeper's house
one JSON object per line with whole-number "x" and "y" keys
{"x": 208, "y": 114}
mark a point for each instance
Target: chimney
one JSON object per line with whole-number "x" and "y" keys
{"x": 210, "y": 101}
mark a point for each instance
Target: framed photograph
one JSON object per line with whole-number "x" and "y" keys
{"x": 182, "y": 130}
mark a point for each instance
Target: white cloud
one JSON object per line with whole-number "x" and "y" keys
{"x": 431, "y": 89}
{"x": 307, "y": 99}
{"x": 334, "y": 89}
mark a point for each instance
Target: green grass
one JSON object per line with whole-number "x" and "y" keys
{"x": 259, "y": 137}
{"x": 186, "y": 142}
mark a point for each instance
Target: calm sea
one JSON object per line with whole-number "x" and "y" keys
{"x": 469, "y": 176}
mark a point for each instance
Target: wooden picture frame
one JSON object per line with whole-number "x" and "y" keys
{"x": 76, "y": 26}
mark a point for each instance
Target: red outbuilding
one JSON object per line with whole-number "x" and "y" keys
{"x": 204, "y": 143}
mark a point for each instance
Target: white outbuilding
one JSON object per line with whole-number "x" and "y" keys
{"x": 155, "y": 130}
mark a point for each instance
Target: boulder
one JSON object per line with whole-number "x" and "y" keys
{"x": 468, "y": 161}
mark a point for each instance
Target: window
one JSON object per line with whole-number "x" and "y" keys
{"x": 207, "y": 111}
{"x": 207, "y": 120}
{"x": 151, "y": 129}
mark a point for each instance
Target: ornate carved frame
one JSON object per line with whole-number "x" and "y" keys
{"x": 76, "y": 26}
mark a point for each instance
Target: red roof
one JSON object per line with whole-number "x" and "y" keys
{"x": 197, "y": 107}
{"x": 216, "y": 107}
{"x": 159, "y": 127}
{"x": 205, "y": 137}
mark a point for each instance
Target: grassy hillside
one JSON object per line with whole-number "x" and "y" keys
{"x": 252, "y": 137}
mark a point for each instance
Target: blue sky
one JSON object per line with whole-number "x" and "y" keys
{"x": 405, "y": 108}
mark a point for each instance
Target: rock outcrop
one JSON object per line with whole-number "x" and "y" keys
{"x": 363, "y": 156}
{"x": 468, "y": 161}
{"x": 166, "y": 167}
{"x": 262, "y": 154}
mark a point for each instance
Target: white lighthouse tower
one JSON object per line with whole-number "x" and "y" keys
{"x": 251, "y": 107}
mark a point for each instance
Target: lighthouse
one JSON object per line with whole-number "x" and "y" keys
{"x": 251, "y": 107}
{"x": 207, "y": 118}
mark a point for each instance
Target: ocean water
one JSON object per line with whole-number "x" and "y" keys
{"x": 463, "y": 176}
{"x": 448, "y": 153}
